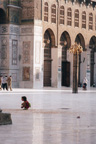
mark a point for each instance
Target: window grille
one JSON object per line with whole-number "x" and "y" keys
{"x": 69, "y": 16}
{"x": 76, "y": 18}
{"x": 53, "y": 13}
{"x": 91, "y": 21}
{"x": 46, "y": 11}
{"x": 62, "y": 15}
{"x": 84, "y": 19}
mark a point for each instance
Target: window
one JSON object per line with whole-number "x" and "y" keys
{"x": 91, "y": 21}
{"x": 62, "y": 15}
{"x": 46, "y": 11}
{"x": 84, "y": 19}
{"x": 69, "y": 16}
{"x": 53, "y": 13}
{"x": 76, "y": 18}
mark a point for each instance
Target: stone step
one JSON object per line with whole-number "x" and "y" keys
{"x": 5, "y": 118}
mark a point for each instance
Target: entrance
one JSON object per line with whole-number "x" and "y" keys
{"x": 49, "y": 41}
{"x": 66, "y": 74}
{"x": 47, "y": 73}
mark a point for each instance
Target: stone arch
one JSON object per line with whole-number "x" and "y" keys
{"x": 65, "y": 42}
{"x": 51, "y": 35}
{"x": 49, "y": 42}
{"x": 65, "y": 39}
{"x": 80, "y": 40}
{"x": 92, "y": 46}
{"x": 2, "y": 16}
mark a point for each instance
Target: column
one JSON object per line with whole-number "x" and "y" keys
{"x": 54, "y": 66}
{"x": 88, "y": 69}
{"x": 59, "y": 65}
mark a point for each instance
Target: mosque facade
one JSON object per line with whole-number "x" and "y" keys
{"x": 35, "y": 37}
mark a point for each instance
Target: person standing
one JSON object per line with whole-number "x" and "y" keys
{"x": 0, "y": 82}
{"x": 5, "y": 83}
{"x": 85, "y": 83}
{"x": 9, "y": 83}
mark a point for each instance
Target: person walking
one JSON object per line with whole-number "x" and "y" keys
{"x": 9, "y": 83}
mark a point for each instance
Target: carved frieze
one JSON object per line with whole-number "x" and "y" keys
{"x": 26, "y": 52}
{"x": 14, "y": 52}
{"x": 15, "y": 30}
{"x": 4, "y": 52}
{"x": 26, "y": 30}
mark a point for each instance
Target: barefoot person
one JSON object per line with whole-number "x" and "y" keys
{"x": 25, "y": 103}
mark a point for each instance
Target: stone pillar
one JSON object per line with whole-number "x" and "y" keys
{"x": 88, "y": 69}
{"x": 37, "y": 58}
{"x": 59, "y": 66}
{"x": 75, "y": 73}
{"x": 54, "y": 67}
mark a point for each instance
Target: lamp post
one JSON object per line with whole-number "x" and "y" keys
{"x": 76, "y": 49}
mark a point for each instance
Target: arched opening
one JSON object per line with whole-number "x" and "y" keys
{"x": 80, "y": 40}
{"x": 92, "y": 46}
{"x": 65, "y": 42}
{"x": 49, "y": 41}
{"x": 2, "y": 17}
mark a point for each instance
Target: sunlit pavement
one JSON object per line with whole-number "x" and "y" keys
{"x": 56, "y": 116}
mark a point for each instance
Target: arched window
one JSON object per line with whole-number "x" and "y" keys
{"x": 46, "y": 11}
{"x": 76, "y": 18}
{"x": 62, "y": 15}
{"x": 91, "y": 21}
{"x": 53, "y": 13}
{"x": 84, "y": 19}
{"x": 69, "y": 16}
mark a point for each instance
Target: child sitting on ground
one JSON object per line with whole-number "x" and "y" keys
{"x": 25, "y": 103}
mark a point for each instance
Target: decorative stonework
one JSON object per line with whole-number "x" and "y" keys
{"x": 4, "y": 29}
{"x": 26, "y": 52}
{"x": 14, "y": 77}
{"x": 3, "y": 52}
{"x": 37, "y": 74}
{"x": 37, "y": 52}
{"x": 27, "y": 9}
{"x": 14, "y": 16}
{"x": 14, "y": 52}
{"x": 26, "y": 73}
{"x": 26, "y": 30}
{"x": 14, "y": 30}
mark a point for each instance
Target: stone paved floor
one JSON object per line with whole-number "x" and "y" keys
{"x": 52, "y": 119}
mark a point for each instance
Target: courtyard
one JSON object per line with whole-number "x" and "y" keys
{"x": 56, "y": 116}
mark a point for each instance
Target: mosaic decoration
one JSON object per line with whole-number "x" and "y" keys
{"x": 14, "y": 52}
{"x": 26, "y": 73}
{"x": 37, "y": 75}
{"x": 26, "y": 52}
{"x": 26, "y": 30}
{"x": 37, "y": 52}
